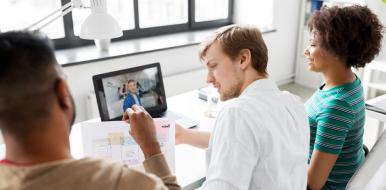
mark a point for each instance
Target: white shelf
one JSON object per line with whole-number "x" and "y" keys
{"x": 370, "y": 84}
{"x": 378, "y": 86}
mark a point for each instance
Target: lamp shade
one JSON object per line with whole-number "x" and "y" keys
{"x": 100, "y": 24}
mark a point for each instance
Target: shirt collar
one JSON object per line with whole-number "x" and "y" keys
{"x": 260, "y": 85}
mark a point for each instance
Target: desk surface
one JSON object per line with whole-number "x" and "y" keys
{"x": 190, "y": 162}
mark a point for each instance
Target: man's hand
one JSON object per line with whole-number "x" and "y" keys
{"x": 180, "y": 134}
{"x": 195, "y": 138}
{"x": 142, "y": 129}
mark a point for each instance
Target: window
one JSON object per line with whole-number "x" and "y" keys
{"x": 257, "y": 13}
{"x": 265, "y": 14}
{"x": 137, "y": 18}
{"x": 162, "y": 12}
{"x": 19, "y": 14}
{"x": 203, "y": 13}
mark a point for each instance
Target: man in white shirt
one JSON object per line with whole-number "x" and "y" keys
{"x": 260, "y": 138}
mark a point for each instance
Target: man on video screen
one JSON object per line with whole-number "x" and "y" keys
{"x": 132, "y": 95}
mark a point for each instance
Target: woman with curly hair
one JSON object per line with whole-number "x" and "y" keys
{"x": 341, "y": 38}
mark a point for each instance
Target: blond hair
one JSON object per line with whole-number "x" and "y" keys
{"x": 232, "y": 39}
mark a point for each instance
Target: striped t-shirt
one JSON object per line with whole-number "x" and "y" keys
{"x": 336, "y": 118}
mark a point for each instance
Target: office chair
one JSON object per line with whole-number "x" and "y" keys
{"x": 372, "y": 174}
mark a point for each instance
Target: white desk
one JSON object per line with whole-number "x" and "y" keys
{"x": 380, "y": 102}
{"x": 190, "y": 163}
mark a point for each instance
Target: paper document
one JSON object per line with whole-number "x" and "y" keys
{"x": 111, "y": 140}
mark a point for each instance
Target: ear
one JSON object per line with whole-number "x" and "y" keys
{"x": 245, "y": 58}
{"x": 62, "y": 94}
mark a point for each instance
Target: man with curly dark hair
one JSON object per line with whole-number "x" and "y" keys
{"x": 342, "y": 38}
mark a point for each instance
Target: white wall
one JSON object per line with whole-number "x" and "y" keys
{"x": 181, "y": 67}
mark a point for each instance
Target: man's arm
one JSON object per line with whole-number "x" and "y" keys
{"x": 320, "y": 167}
{"x": 157, "y": 165}
{"x": 142, "y": 129}
{"x": 126, "y": 103}
{"x": 234, "y": 153}
{"x": 195, "y": 138}
{"x": 157, "y": 176}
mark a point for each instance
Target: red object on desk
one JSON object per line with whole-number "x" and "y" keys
{"x": 6, "y": 162}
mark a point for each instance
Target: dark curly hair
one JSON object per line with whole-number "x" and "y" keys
{"x": 352, "y": 33}
{"x": 27, "y": 78}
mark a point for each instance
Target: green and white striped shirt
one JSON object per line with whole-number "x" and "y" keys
{"x": 336, "y": 117}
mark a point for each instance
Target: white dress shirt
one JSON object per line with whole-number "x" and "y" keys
{"x": 260, "y": 141}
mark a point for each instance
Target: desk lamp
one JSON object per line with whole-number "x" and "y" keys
{"x": 99, "y": 25}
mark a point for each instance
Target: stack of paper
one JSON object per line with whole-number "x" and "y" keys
{"x": 111, "y": 140}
